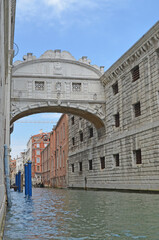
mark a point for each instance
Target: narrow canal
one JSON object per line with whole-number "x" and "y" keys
{"x": 76, "y": 214}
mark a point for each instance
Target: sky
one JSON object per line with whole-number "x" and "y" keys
{"x": 103, "y": 30}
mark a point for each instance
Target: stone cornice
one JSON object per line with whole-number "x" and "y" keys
{"x": 137, "y": 51}
{"x": 41, "y": 60}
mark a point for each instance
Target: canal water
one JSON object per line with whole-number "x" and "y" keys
{"x": 77, "y": 214}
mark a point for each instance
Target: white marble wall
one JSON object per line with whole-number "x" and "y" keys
{"x": 134, "y": 133}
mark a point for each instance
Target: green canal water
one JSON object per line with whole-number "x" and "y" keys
{"x": 77, "y": 214}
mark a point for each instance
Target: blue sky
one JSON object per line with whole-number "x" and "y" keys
{"x": 103, "y": 30}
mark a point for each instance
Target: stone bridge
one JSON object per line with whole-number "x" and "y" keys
{"x": 57, "y": 82}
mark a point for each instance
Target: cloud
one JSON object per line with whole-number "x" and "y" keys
{"x": 62, "y": 11}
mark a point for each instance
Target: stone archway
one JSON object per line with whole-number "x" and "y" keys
{"x": 57, "y": 82}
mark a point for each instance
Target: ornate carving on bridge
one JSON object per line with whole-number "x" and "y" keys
{"x": 58, "y": 86}
{"x": 58, "y": 68}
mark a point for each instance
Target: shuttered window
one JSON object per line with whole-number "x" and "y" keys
{"x": 135, "y": 73}
{"x": 117, "y": 120}
{"x": 115, "y": 88}
{"x": 137, "y": 109}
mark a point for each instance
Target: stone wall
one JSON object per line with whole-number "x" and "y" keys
{"x": 129, "y": 150}
{"x": 7, "y": 14}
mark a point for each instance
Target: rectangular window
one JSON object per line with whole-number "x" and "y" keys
{"x": 81, "y": 136}
{"x": 90, "y": 165}
{"x": 76, "y": 87}
{"x": 73, "y": 120}
{"x": 73, "y": 141}
{"x": 37, "y": 145}
{"x": 45, "y": 144}
{"x": 39, "y": 85}
{"x": 80, "y": 166}
{"x": 135, "y": 73}
{"x": 91, "y": 132}
{"x": 115, "y": 88}
{"x": 37, "y": 152}
{"x": 63, "y": 158}
{"x": 117, "y": 120}
{"x": 72, "y": 167}
{"x": 60, "y": 156}
{"x": 63, "y": 130}
{"x": 57, "y": 138}
{"x": 137, "y": 155}
{"x": 57, "y": 158}
{"x": 37, "y": 160}
{"x": 38, "y": 168}
{"x": 61, "y": 135}
{"x": 137, "y": 109}
{"x": 102, "y": 162}
{"x": 116, "y": 159}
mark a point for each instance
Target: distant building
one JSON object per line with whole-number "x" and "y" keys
{"x": 54, "y": 156}
{"x": 12, "y": 170}
{"x": 20, "y": 160}
{"x": 34, "y": 148}
{"x": 46, "y": 164}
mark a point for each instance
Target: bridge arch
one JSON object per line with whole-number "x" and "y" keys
{"x": 57, "y": 82}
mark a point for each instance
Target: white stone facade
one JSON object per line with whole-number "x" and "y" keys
{"x": 7, "y": 16}
{"x": 130, "y": 148}
{"x": 57, "y": 82}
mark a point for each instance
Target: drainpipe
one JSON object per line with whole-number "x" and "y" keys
{"x": 7, "y": 177}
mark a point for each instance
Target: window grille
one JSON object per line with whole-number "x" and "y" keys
{"x": 117, "y": 120}
{"x": 102, "y": 161}
{"x": 73, "y": 120}
{"x": 73, "y": 141}
{"x": 137, "y": 109}
{"x": 116, "y": 158}
{"x": 135, "y": 73}
{"x": 39, "y": 85}
{"x": 138, "y": 156}
{"x": 115, "y": 88}
{"x": 76, "y": 87}
{"x": 73, "y": 168}
{"x": 80, "y": 166}
{"x": 81, "y": 136}
{"x": 90, "y": 165}
{"x": 90, "y": 132}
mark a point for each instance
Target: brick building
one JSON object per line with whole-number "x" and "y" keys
{"x": 54, "y": 156}
{"x": 46, "y": 164}
{"x": 35, "y": 146}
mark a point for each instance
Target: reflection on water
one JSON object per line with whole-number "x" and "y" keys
{"x": 72, "y": 214}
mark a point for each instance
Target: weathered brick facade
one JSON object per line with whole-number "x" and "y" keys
{"x": 127, "y": 157}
